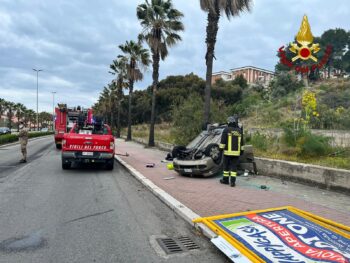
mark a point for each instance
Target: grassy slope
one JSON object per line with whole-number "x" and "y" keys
{"x": 163, "y": 133}
{"x": 262, "y": 116}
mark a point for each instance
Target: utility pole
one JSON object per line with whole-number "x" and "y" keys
{"x": 37, "y": 97}
{"x": 53, "y": 109}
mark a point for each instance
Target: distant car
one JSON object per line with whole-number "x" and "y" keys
{"x": 4, "y": 130}
{"x": 202, "y": 156}
{"x": 45, "y": 129}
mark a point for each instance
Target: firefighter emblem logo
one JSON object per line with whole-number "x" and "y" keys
{"x": 304, "y": 48}
{"x": 303, "y": 53}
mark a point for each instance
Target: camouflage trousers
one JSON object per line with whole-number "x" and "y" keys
{"x": 24, "y": 149}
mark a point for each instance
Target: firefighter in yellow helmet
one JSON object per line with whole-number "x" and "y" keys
{"x": 231, "y": 145}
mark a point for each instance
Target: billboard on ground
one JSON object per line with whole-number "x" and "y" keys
{"x": 282, "y": 235}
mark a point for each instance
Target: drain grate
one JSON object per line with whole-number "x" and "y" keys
{"x": 177, "y": 245}
{"x": 188, "y": 243}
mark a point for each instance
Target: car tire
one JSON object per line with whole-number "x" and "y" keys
{"x": 176, "y": 150}
{"x": 58, "y": 146}
{"x": 110, "y": 165}
{"x": 213, "y": 151}
{"x": 66, "y": 165}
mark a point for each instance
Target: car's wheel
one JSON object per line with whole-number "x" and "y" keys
{"x": 110, "y": 164}
{"x": 65, "y": 164}
{"x": 213, "y": 151}
{"x": 58, "y": 146}
{"x": 176, "y": 150}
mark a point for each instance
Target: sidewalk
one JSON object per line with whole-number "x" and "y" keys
{"x": 207, "y": 197}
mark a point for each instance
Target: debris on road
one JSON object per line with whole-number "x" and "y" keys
{"x": 169, "y": 178}
{"x": 120, "y": 154}
{"x": 150, "y": 165}
{"x": 170, "y": 166}
{"x": 169, "y": 157}
{"x": 264, "y": 187}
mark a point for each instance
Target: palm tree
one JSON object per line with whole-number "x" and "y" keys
{"x": 112, "y": 101}
{"x": 2, "y": 108}
{"x": 160, "y": 24}
{"x": 20, "y": 110}
{"x": 105, "y": 102}
{"x": 10, "y": 107}
{"x": 30, "y": 117}
{"x": 214, "y": 8}
{"x": 119, "y": 68}
{"x": 137, "y": 59}
{"x": 45, "y": 119}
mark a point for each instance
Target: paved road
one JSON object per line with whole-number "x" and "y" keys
{"x": 10, "y": 155}
{"x": 82, "y": 215}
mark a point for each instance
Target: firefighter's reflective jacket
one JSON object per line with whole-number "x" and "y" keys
{"x": 232, "y": 141}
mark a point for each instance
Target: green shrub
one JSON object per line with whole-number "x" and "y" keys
{"x": 314, "y": 145}
{"x": 306, "y": 144}
{"x": 228, "y": 94}
{"x": 259, "y": 141}
{"x": 270, "y": 117}
{"x": 284, "y": 83}
{"x": 291, "y": 136}
{"x": 39, "y": 134}
{"x": 247, "y": 105}
{"x": 7, "y": 138}
{"x": 188, "y": 118}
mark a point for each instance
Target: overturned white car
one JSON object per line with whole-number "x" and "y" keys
{"x": 202, "y": 156}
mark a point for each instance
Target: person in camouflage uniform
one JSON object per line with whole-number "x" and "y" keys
{"x": 23, "y": 140}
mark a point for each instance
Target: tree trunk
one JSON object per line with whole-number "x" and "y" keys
{"x": 9, "y": 116}
{"x": 131, "y": 87}
{"x": 212, "y": 30}
{"x": 155, "y": 77}
{"x": 305, "y": 79}
{"x": 118, "y": 119}
{"x": 112, "y": 115}
{"x": 330, "y": 63}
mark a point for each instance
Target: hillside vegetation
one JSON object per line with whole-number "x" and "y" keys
{"x": 285, "y": 104}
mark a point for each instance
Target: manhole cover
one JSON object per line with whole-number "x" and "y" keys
{"x": 177, "y": 245}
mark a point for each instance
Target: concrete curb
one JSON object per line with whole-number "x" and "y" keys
{"x": 183, "y": 211}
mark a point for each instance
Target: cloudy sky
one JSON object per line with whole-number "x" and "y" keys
{"x": 75, "y": 41}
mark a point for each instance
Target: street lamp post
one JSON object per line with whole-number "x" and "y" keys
{"x": 37, "y": 97}
{"x": 53, "y": 109}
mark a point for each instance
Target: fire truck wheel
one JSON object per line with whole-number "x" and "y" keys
{"x": 65, "y": 165}
{"x": 110, "y": 164}
{"x": 58, "y": 146}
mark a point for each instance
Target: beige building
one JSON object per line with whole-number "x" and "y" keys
{"x": 251, "y": 74}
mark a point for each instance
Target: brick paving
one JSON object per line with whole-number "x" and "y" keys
{"x": 207, "y": 197}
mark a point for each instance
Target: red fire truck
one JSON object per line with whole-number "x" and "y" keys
{"x": 88, "y": 142}
{"x": 65, "y": 119}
